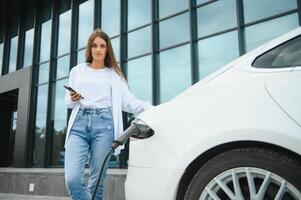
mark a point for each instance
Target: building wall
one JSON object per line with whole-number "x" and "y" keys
{"x": 15, "y": 94}
{"x": 163, "y": 47}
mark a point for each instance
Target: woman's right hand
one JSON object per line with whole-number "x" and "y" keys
{"x": 75, "y": 96}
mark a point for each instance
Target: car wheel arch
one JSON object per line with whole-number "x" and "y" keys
{"x": 198, "y": 162}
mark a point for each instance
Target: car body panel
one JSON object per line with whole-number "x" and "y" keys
{"x": 161, "y": 189}
{"x": 236, "y": 103}
{"x": 285, "y": 95}
{"x": 253, "y": 107}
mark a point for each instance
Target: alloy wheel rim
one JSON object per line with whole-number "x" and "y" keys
{"x": 249, "y": 183}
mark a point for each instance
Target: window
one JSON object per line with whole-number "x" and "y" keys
{"x": 62, "y": 67}
{"x": 139, "y": 42}
{"x": 202, "y": 1}
{"x": 13, "y": 45}
{"x": 258, "y": 34}
{"x": 139, "y": 75}
{"x": 175, "y": 72}
{"x": 64, "y": 28}
{"x": 43, "y": 73}
{"x": 1, "y": 57}
{"x": 29, "y": 37}
{"x": 169, "y": 7}
{"x": 81, "y": 57}
{"x": 214, "y": 52}
{"x": 174, "y": 30}
{"x": 216, "y": 16}
{"x": 116, "y": 48}
{"x": 46, "y": 22}
{"x": 45, "y": 41}
{"x": 285, "y": 55}
{"x": 40, "y": 126}
{"x": 1, "y": 46}
{"x": 85, "y": 23}
{"x": 111, "y": 17}
{"x": 258, "y": 9}
{"x": 138, "y": 13}
{"x": 13, "y": 54}
{"x": 59, "y": 123}
{"x": 28, "y": 51}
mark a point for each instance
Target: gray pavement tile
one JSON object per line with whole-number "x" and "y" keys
{"x": 6, "y": 196}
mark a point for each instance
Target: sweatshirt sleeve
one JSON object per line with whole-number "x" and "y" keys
{"x": 130, "y": 103}
{"x": 71, "y": 83}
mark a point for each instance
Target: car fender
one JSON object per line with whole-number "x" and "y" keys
{"x": 290, "y": 141}
{"x": 229, "y": 119}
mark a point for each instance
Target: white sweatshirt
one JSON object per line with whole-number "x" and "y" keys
{"x": 95, "y": 87}
{"x": 121, "y": 99}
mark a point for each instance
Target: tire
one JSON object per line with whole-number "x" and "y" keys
{"x": 216, "y": 179}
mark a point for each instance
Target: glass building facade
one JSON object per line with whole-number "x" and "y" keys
{"x": 162, "y": 46}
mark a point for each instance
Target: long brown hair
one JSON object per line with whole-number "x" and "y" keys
{"x": 110, "y": 60}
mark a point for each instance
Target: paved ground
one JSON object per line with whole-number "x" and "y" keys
{"x": 6, "y": 196}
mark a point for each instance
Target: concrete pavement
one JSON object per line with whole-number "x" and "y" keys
{"x": 49, "y": 183}
{"x": 7, "y": 196}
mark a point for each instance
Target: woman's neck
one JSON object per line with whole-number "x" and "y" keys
{"x": 97, "y": 65}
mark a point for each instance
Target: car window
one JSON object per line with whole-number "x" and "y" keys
{"x": 284, "y": 55}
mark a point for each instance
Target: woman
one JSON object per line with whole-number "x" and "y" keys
{"x": 96, "y": 118}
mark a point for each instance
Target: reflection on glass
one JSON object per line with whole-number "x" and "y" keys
{"x": 174, "y": 30}
{"x": 43, "y": 73}
{"x": 216, "y": 17}
{"x": 62, "y": 69}
{"x": 28, "y": 51}
{"x": 59, "y": 124}
{"x": 64, "y": 32}
{"x": 139, "y": 76}
{"x": 139, "y": 42}
{"x": 260, "y": 33}
{"x": 111, "y": 17}
{"x": 42, "y": 97}
{"x": 45, "y": 41}
{"x": 258, "y": 9}
{"x": 15, "y": 117}
{"x": 81, "y": 57}
{"x": 138, "y": 13}
{"x": 285, "y": 55}
{"x": 169, "y": 7}
{"x": 85, "y": 24}
{"x": 217, "y": 51}
{"x": 13, "y": 54}
{"x": 201, "y": 1}
{"x": 116, "y": 48}
{"x": 1, "y": 46}
{"x": 40, "y": 126}
{"x": 12, "y": 136}
{"x": 175, "y": 72}
{"x": 1, "y": 57}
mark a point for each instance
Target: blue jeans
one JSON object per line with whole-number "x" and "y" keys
{"x": 92, "y": 132}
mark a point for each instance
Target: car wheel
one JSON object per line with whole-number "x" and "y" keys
{"x": 247, "y": 173}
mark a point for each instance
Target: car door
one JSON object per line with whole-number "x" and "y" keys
{"x": 284, "y": 88}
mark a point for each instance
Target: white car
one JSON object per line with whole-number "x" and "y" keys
{"x": 234, "y": 135}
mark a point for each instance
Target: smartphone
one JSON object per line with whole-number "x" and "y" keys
{"x": 70, "y": 89}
